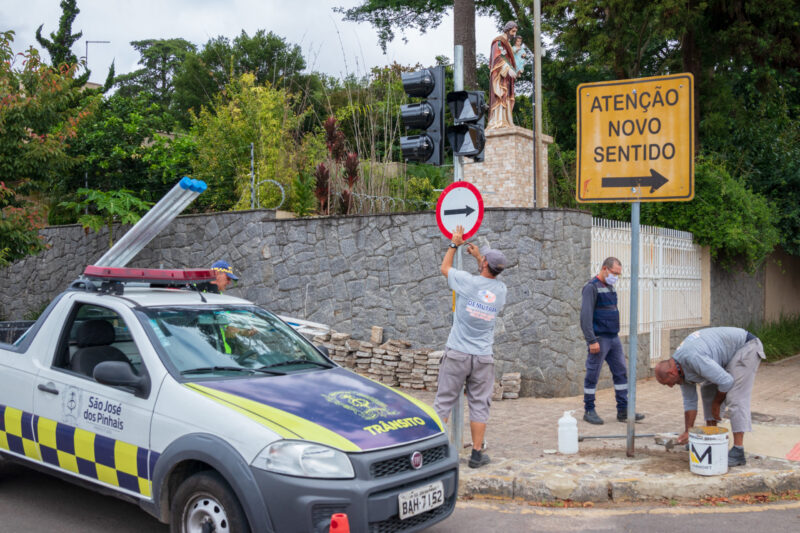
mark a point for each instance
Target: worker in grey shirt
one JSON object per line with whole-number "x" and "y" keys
{"x": 724, "y": 362}
{"x": 468, "y": 356}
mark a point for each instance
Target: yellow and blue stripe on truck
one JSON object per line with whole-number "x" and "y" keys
{"x": 82, "y": 452}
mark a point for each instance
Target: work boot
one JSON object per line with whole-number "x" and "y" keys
{"x": 736, "y": 456}
{"x": 622, "y": 416}
{"x": 592, "y": 417}
{"x": 478, "y": 459}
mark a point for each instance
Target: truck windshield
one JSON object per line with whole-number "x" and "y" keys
{"x": 230, "y": 341}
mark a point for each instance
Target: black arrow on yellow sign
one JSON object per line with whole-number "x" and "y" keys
{"x": 655, "y": 180}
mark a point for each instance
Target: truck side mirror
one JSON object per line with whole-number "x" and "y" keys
{"x": 120, "y": 374}
{"x": 323, "y": 350}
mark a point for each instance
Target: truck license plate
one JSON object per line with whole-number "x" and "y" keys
{"x": 421, "y": 499}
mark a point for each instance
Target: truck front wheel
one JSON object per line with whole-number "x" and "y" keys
{"x": 205, "y": 503}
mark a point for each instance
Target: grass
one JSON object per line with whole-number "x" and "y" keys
{"x": 781, "y": 339}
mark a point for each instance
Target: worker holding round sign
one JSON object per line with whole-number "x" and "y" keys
{"x": 460, "y": 204}
{"x": 468, "y": 356}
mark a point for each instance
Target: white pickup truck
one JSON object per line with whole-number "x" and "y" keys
{"x": 214, "y": 415}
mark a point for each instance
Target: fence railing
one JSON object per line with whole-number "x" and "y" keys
{"x": 670, "y": 276}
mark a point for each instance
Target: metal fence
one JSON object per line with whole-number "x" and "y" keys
{"x": 670, "y": 277}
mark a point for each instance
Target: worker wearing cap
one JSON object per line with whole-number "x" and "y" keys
{"x": 724, "y": 362}
{"x": 468, "y": 355}
{"x": 223, "y": 275}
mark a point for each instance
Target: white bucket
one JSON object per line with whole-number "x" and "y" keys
{"x": 708, "y": 450}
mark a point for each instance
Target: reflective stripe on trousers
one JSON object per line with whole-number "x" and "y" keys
{"x": 611, "y": 352}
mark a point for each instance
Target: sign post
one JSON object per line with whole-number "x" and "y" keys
{"x": 460, "y": 204}
{"x": 636, "y": 144}
{"x": 636, "y": 140}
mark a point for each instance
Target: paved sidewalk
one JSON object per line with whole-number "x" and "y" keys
{"x": 520, "y": 431}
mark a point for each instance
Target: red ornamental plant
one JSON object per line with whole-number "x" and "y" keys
{"x": 343, "y": 164}
{"x": 351, "y": 169}
{"x": 323, "y": 187}
{"x": 350, "y": 177}
{"x": 334, "y": 139}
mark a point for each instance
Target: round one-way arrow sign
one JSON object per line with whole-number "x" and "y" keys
{"x": 460, "y": 204}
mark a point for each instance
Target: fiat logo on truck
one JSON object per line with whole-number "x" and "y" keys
{"x": 416, "y": 460}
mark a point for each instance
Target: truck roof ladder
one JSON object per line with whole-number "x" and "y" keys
{"x": 151, "y": 224}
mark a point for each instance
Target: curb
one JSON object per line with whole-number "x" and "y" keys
{"x": 683, "y": 486}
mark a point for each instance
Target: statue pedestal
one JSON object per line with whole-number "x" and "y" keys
{"x": 505, "y": 178}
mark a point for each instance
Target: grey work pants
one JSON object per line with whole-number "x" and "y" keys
{"x": 743, "y": 368}
{"x": 458, "y": 369}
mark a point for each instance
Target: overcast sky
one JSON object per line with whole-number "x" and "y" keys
{"x": 329, "y": 44}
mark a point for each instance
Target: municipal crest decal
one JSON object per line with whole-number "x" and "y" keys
{"x": 71, "y": 403}
{"x": 366, "y": 407}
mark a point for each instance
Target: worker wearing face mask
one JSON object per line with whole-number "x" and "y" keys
{"x": 600, "y": 326}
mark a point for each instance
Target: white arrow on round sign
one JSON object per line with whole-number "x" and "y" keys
{"x": 460, "y": 204}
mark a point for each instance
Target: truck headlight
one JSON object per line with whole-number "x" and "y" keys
{"x": 304, "y": 459}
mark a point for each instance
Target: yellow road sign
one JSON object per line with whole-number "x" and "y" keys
{"x": 636, "y": 140}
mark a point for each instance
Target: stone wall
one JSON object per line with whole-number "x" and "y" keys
{"x": 737, "y": 298}
{"x": 362, "y": 271}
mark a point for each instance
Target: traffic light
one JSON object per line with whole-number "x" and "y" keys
{"x": 428, "y": 115}
{"x": 466, "y": 137}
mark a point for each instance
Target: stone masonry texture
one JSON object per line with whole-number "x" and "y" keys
{"x": 737, "y": 298}
{"x": 362, "y": 271}
{"x": 357, "y": 272}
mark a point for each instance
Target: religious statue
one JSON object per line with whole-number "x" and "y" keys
{"x": 502, "y": 74}
{"x": 521, "y": 56}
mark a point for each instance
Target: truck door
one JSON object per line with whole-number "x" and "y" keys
{"x": 98, "y": 432}
{"x": 17, "y": 382}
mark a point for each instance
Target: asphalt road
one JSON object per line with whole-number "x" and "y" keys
{"x": 34, "y": 502}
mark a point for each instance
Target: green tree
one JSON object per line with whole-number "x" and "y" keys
{"x": 247, "y": 113}
{"x": 59, "y": 46}
{"x": 267, "y": 56}
{"x": 118, "y": 147}
{"x": 386, "y": 15}
{"x": 39, "y": 116}
{"x": 107, "y": 208}
{"x": 745, "y": 63}
{"x": 20, "y": 223}
{"x": 160, "y": 59}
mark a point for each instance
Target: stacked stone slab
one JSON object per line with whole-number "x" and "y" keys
{"x": 396, "y": 364}
{"x": 510, "y": 383}
{"x": 393, "y": 363}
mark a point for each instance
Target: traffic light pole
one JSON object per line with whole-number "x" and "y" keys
{"x": 457, "y": 416}
{"x": 458, "y": 85}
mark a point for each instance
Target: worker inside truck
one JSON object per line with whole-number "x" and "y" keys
{"x": 234, "y": 338}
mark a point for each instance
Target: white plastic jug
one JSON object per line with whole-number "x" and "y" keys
{"x": 567, "y": 433}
